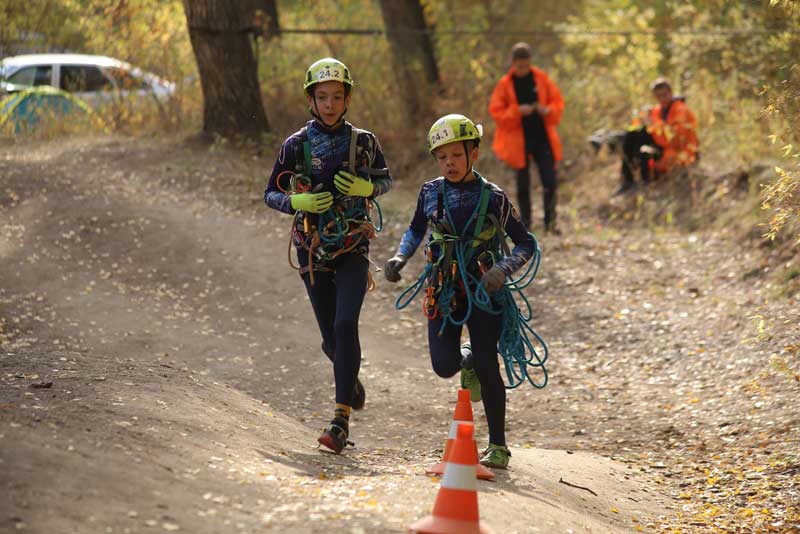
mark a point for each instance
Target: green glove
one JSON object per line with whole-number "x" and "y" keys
{"x": 352, "y": 185}
{"x": 312, "y": 202}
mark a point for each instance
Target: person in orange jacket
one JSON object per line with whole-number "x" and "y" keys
{"x": 668, "y": 139}
{"x": 526, "y": 106}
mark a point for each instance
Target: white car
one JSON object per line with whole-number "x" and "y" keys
{"x": 91, "y": 78}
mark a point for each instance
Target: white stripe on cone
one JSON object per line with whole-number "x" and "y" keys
{"x": 454, "y": 428}
{"x": 460, "y": 477}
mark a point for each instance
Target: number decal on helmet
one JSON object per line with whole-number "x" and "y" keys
{"x": 441, "y": 135}
{"x": 452, "y": 128}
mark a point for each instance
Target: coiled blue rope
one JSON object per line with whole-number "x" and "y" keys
{"x": 334, "y": 225}
{"x": 523, "y": 350}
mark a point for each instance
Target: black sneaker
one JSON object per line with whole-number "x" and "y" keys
{"x": 552, "y": 229}
{"x": 626, "y": 187}
{"x": 359, "y": 396}
{"x": 335, "y": 437}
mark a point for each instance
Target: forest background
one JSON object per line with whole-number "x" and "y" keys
{"x": 736, "y": 62}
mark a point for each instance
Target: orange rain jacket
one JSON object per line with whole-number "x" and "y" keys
{"x": 509, "y": 139}
{"x": 677, "y": 136}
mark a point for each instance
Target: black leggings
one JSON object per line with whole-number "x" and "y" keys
{"x": 484, "y": 331}
{"x": 545, "y": 163}
{"x": 337, "y": 297}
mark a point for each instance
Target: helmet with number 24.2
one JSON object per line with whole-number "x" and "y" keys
{"x": 327, "y": 70}
{"x": 453, "y": 128}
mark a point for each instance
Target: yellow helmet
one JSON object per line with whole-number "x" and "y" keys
{"x": 327, "y": 70}
{"x": 452, "y": 128}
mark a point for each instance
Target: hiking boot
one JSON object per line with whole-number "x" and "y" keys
{"x": 335, "y": 437}
{"x": 359, "y": 396}
{"x": 626, "y": 187}
{"x": 552, "y": 229}
{"x": 469, "y": 378}
{"x": 496, "y": 456}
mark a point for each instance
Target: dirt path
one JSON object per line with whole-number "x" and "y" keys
{"x": 146, "y": 282}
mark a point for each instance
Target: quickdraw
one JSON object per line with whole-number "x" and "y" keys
{"x": 452, "y": 285}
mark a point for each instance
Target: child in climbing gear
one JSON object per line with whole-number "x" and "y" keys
{"x": 468, "y": 278}
{"x": 327, "y": 176}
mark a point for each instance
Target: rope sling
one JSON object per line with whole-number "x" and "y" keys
{"x": 451, "y": 279}
{"x": 344, "y": 227}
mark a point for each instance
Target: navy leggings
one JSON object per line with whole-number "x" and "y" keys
{"x": 484, "y": 331}
{"x": 337, "y": 297}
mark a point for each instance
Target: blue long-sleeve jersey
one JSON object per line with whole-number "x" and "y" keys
{"x": 329, "y": 154}
{"x": 461, "y": 200}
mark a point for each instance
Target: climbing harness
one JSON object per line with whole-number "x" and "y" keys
{"x": 451, "y": 280}
{"x": 347, "y": 226}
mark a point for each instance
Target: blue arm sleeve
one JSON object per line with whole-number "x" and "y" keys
{"x": 383, "y": 183}
{"x": 416, "y": 230}
{"x": 524, "y": 243}
{"x": 273, "y": 196}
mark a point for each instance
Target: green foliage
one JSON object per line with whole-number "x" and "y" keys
{"x": 283, "y": 61}
{"x": 782, "y": 196}
{"x": 147, "y": 33}
{"x": 604, "y": 74}
{"x": 37, "y": 25}
{"x": 150, "y": 34}
{"x": 721, "y": 73}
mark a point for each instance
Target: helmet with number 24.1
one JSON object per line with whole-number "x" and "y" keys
{"x": 327, "y": 70}
{"x": 451, "y": 129}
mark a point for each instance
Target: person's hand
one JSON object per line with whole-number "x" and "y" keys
{"x": 493, "y": 279}
{"x": 542, "y": 109}
{"x": 312, "y": 202}
{"x": 352, "y": 185}
{"x": 526, "y": 109}
{"x": 392, "y": 267}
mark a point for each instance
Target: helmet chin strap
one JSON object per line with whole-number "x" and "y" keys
{"x": 315, "y": 113}
{"x": 469, "y": 165}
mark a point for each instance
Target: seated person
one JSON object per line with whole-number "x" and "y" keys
{"x": 667, "y": 140}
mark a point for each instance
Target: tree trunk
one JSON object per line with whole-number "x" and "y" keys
{"x": 220, "y": 33}
{"x": 266, "y": 13}
{"x": 412, "y": 50}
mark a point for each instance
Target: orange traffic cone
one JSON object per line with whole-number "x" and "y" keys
{"x": 456, "y": 508}
{"x": 462, "y": 414}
